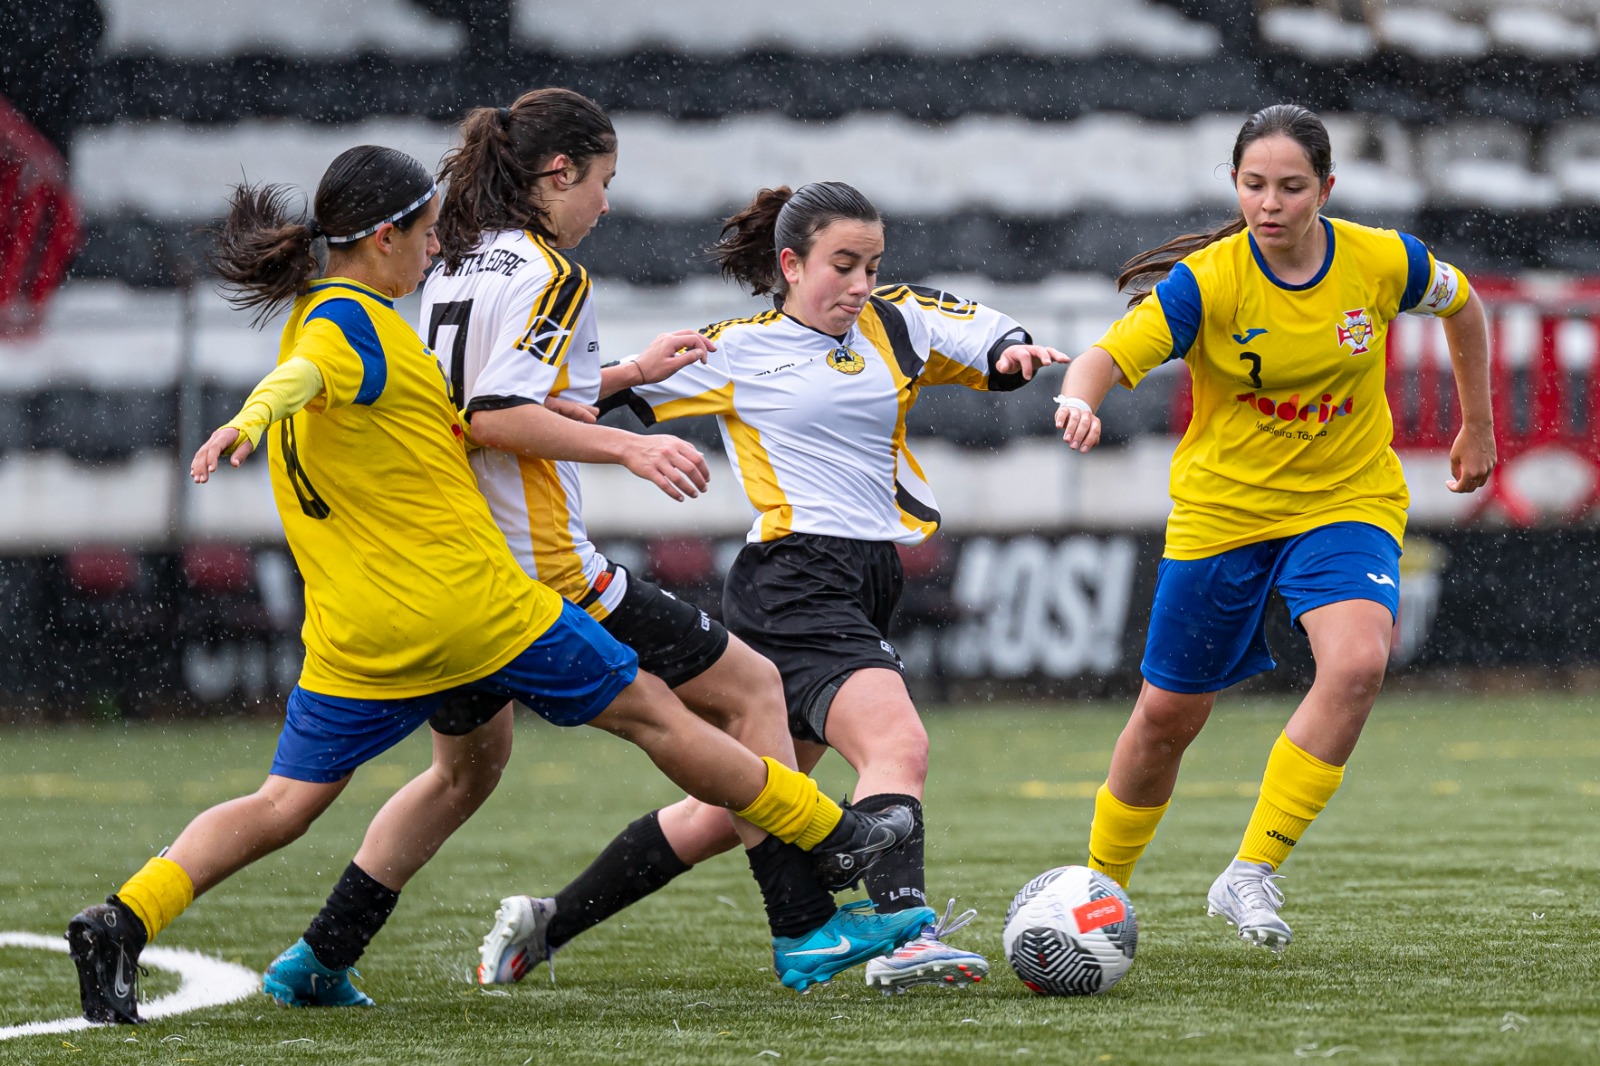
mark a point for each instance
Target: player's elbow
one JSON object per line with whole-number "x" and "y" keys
{"x": 492, "y": 429}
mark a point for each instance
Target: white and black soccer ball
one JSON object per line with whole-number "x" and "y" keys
{"x": 1071, "y": 931}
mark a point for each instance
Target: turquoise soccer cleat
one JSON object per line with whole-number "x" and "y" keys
{"x": 297, "y": 979}
{"x": 853, "y": 935}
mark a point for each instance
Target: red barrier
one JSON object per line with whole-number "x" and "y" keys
{"x": 1546, "y": 394}
{"x": 39, "y": 229}
{"x": 1544, "y": 364}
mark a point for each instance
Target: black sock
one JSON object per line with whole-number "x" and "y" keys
{"x": 638, "y": 862}
{"x": 356, "y": 909}
{"x": 795, "y": 903}
{"x": 897, "y": 881}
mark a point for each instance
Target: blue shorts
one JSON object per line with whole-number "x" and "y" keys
{"x": 568, "y": 676}
{"x": 1208, "y": 622}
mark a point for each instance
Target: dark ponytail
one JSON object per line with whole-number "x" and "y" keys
{"x": 1141, "y": 273}
{"x": 777, "y": 219}
{"x": 491, "y": 174}
{"x": 264, "y": 252}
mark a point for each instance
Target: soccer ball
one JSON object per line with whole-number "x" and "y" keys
{"x": 1071, "y": 932}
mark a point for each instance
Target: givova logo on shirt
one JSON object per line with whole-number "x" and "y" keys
{"x": 1291, "y": 410}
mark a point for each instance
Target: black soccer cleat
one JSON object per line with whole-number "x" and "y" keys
{"x": 860, "y": 839}
{"x": 105, "y": 941}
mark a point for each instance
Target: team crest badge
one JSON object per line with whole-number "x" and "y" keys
{"x": 846, "y": 361}
{"x": 1356, "y": 331}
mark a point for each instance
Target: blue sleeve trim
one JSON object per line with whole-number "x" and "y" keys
{"x": 1418, "y": 275}
{"x": 362, "y": 336}
{"x": 1179, "y": 294}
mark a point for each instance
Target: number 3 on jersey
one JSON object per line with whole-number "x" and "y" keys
{"x": 454, "y": 315}
{"x": 1255, "y": 367}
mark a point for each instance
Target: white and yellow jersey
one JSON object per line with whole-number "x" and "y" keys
{"x": 815, "y": 425}
{"x": 513, "y": 325}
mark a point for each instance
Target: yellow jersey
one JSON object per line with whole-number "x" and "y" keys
{"x": 1291, "y": 427}
{"x": 410, "y": 588}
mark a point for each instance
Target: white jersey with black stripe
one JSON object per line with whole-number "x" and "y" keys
{"x": 513, "y": 324}
{"x": 815, "y": 425}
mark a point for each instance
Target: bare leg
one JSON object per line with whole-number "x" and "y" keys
{"x": 416, "y": 821}
{"x": 1350, "y": 643}
{"x": 1144, "y": 764}
{"x": 875, "y": 726}
{"x": 230, "y": 836}
{"x": 700, "y": 759}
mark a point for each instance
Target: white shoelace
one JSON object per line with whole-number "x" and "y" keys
{"x": 945, "y": 926}
{"x": 1261, "y": 892}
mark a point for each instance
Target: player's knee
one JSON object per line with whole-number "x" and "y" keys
{"x": 1168, "y": 719}
{"x": 644, "y": 713}
{"x": 902, "y": 744}
{"x": 703, "y": 832}
{"x": 471, "y": 783}
{"x": 1356, "y": 675}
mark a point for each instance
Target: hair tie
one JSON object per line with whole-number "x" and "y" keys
{"x": 504, "y": 114}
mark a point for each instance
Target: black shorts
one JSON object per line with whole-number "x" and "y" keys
{"x": 675, "y": 640}
{"x": 819, "y": 608}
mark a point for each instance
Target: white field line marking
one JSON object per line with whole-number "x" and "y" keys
{"x": 203, "y": 982}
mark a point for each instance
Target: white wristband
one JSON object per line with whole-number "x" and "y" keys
{"x": 1075, "y": 403}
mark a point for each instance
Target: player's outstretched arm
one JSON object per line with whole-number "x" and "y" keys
{"x": 1473, "y": 454}
{"x": 1027, "y": 358}
{"x": 662, "y": 358}
{"x": 673, "y": 465}
{"x": 291, "y": 385}
{"x": 221, "y": 444}
{"x": 1089, "y": 378}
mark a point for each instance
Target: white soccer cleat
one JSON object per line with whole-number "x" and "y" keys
{"x": 928, "y": 960}
{"x": 1247, "y": 894}
{"x": 518, "y": 942}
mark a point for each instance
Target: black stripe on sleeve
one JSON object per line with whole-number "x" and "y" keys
{"x": 999, "y": 382}
{"x": 913, "y": 506}
{"x": 627, "y": 398}
{"x": 495, "y": 403}
{"x": 894, "y": 327}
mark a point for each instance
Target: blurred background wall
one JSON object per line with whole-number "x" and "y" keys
{"x": 1020, "y": 154}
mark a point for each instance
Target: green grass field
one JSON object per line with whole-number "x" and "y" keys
{"x": 1446, "y": 909}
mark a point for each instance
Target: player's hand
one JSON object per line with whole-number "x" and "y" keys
{"x": 578, "y": 412}
{"x": 1472, "y": 459}
{"x": 1028, "y": 358}
{"x": 205, "y": 460}
{"x": 674, "y": 466}
{"x": 670, "y": 353}
{"x": 1079, "y": 428}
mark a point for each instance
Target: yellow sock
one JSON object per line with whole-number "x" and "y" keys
{"x": 1295, "y": 788}
{"x": 157, "y": 894}
{"x": 792, "y": 808}
{"x": 1119, "y": 835}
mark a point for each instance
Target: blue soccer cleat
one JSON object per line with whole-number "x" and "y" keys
{"x": 853, "y": 935}
{"x": 297, "y": 979}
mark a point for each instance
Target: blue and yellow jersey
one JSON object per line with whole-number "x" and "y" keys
{"x": 1291, "y": 427}
{"x": 410, "y": 588}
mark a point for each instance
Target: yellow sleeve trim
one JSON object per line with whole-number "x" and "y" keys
{"x": 292, "y": 385}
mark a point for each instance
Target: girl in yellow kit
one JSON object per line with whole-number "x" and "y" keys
{"x": 415, "y": 609}
{"x": 1285, "y": 480}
